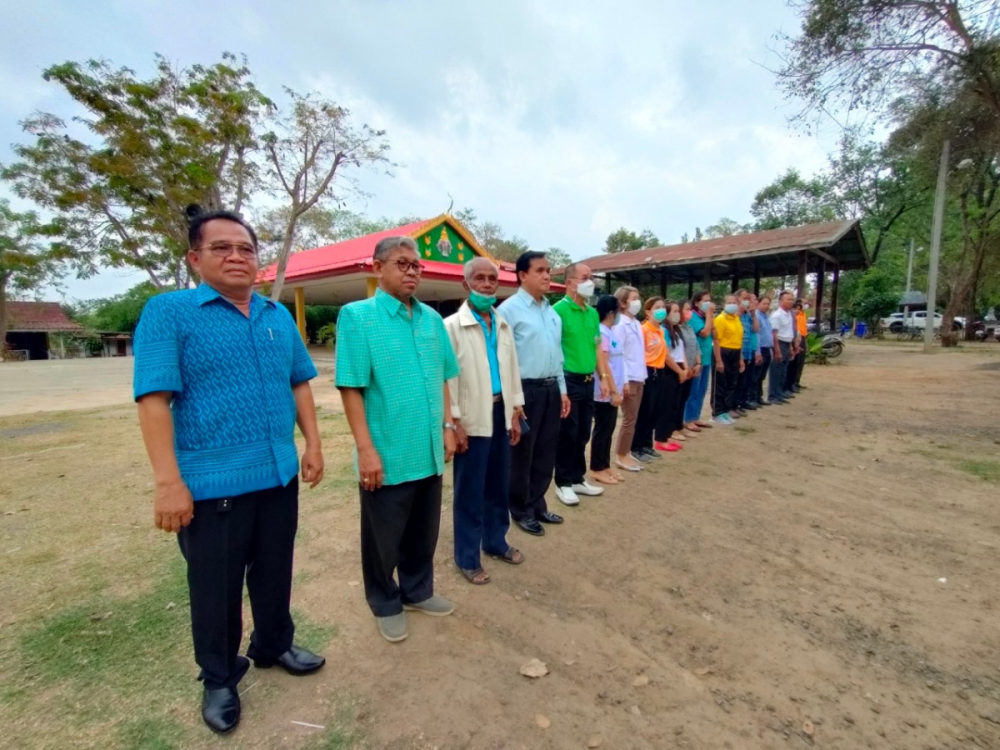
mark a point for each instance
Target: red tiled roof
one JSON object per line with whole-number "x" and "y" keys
{"x": 38, "y": 316}
{"x": 771, "y": 242}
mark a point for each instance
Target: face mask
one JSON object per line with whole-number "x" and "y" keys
{"x": 585, "y": 289}
{"x": 687, "y": 315}
{"x": 659, "y": 315}
{"x": 675, "y": 318}
{"x": 634, "y": 307}
{"x": 480, "y": 301}
{"x": 731, "y": 308}
{"x": 746, "y": 304}
{"x": 705, "y": 305}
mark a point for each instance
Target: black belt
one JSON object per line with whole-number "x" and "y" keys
{"x": 498, "y": 398}
{"x": 539, "y": 381}
{"x": 579, "y": 378}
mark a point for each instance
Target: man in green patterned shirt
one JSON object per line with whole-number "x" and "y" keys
{"x": 394, "y": 359}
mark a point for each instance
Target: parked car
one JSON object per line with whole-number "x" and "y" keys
{"x": 897, "y": 321}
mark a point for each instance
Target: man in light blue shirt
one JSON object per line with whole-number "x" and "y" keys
{"x": 765, "y": 340}
{"x": 538, "y": 340}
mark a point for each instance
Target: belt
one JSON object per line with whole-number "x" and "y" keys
{"x": 498, "y": 398}
{"x": 539, "y": 381}
{"x": 580, "y": 378}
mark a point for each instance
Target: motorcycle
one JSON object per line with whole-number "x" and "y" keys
{"x": 833, "y": 345}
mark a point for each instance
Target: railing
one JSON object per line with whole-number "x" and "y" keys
{"x": 14, "y": 355}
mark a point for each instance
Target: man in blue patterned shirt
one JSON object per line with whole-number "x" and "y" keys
{"x": 221, "y": 377}
{"x": 750, "y": 352}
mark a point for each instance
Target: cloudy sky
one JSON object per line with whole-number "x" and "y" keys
{"x": 561, "y": 120}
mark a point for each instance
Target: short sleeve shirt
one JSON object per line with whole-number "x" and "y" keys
{"x": 581, "y": 333}
{"x": 698, "y": 324}
{"x": 231, "y": 377}
{"x": 613, "y": 346}
{"x": 400, "y": 362}
{"x": 729, "y": 331}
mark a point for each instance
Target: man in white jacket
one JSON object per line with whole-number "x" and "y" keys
{"x": 486, "y": 401}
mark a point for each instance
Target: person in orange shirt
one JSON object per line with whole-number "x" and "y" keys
{"x": 797, "y": 365}
{"x": 652, "y": 395}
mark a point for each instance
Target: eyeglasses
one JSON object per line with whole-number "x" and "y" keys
{"x": 225, "y": 249}
{"x": 405, "y": 265}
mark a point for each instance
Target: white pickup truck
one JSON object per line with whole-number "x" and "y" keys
{"x": 897, "y": 321}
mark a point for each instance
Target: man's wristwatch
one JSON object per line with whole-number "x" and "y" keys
{"x": 450, "y": 426}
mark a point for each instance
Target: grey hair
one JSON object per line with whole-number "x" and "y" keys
{"x": 470, "y": 267}
{"x": 385, "y": 247}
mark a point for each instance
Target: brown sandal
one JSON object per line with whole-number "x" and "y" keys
{"x": 478, "y": 577}
{"x": 511, "y": 556}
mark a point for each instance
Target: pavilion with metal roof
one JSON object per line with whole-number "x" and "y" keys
{"x": 827, "y": 248}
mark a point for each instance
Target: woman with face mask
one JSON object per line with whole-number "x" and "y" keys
{"x": 655, "y": 347}
{"x": 692, "y": 354}
{"x": 675, "y": 374}
{"x": 606, "y": 407}
{"x": 701, "y": 324}
{"x": 629, "y": 332}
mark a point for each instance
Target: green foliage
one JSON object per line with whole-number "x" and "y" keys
{"x": 327, "y": 335}
{"x": 814, "y": 349}
{"x": 622, "y": 240}
{"x": 792, "y": 200}
{"x": 558, "y": 258}
{"x": 119, "y": 314}
{"x": 875, "y": 296}
{"x": 988, "y": 471}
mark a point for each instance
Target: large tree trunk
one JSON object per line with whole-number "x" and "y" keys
{"x": 3, "y": 315}
{"x": 286, "y": 250}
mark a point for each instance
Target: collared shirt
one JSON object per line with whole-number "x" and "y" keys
{"x": 691, "y": 349}
{"x": 698, "y": 324}
{"x": 750, "y": 347}
{"x": 784, "y": 325}
{"x": 629, "y": 332}
{"x": 491, "y": 348}
{"x": 655, "y": 344}
{"x": 537, "y": 337}
{"x": 231, "y": 377}
{"x": 729, "y": 331}
{"x": 401, "y": 362}
{"x": 581, "y": 333}
{"x": 611, "y": 345}
{"x": 765, "y": 334}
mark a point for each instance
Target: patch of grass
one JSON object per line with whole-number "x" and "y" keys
{"x": 150, "y": 734}
{"x": 310, "y": 634}
{"x": 862, "y": 448}
{"x": 742, "y": 430}
{"x": 341, "y": 733}
{"x": 988, "y": 471}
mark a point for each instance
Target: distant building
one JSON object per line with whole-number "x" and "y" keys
{"x": 30, "y": 325}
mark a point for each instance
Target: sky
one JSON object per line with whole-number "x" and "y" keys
{"x": 561, "y": 121}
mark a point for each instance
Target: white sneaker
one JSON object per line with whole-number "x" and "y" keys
{"x": 567, "y": 496}
{"x": 723, "y": 420}
{"x": 586, "y": 488}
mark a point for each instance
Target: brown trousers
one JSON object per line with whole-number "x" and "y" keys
{"x": 630, "y": 413}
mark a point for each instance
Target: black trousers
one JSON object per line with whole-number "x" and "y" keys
{"x": 800, "y": 364}
{"x": 605, "y": 417}
{"x": 399, "y": 532}
{"x": 574, "y": 431}
{"x": 649, "y": 408}
{"x": 760, "y": 372}
{"x": 670, "y": 417}
{"x": 251, "y": 536}
{"x": 745, "y": 382}
{"x": 724, "y": 383}
{"x": 534, "y": 457}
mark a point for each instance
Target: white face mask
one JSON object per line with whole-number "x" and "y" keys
{"x": 585, "y": 289}
{"x": 634, "y": 307}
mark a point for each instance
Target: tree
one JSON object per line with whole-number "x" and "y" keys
{"x": 118, "y": 314}
{"x": 622, "y": 240}
{"x": 725, "y": 227}
{"x": 861, "y": 54}
{"x": 26, "y": 263}
{"x": 307, "y": 153}
{"x": 558, "y": 258}
{"x": 791, "y": 201}
{"x": 152, "y": 146}
{"x": 874, "y": 297}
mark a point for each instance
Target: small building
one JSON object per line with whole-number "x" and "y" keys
{"x": 30, "y": 325}
{"x": 341, "y": 273}
{"x": 115, "y": 344}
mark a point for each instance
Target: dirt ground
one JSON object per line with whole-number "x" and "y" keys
{"x": 824, "y": 574}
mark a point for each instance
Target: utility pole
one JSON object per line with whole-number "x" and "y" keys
{"x": 909, "y": 282}
{"x": 936, "y": 249}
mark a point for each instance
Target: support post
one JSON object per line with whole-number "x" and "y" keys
{"x": 942, "y": 185}
{"x": 708, "y": 277}
{"x": 736, "y": 278}
{"x": 756, "y": 280}
{"x": 300, "y": 312}
{"x": 372, "y": 286}
{"x": 663, "y": 283}
{"x": 820, "y": 281}
{"x": 803, "y": 269}
{"x": 690, "y": 287}
{"x": 834, "y": 289}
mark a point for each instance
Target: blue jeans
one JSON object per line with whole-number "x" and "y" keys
{"x": 779, "y": 371}
{"x": 481, "y": 483}
{"x": 696, "y": 401}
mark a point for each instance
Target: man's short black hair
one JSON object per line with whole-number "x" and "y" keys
{"x": 782, "y": 295}
{"x": 606, "y": 304}
{"x": 197, "y": 218}
{"x": 523, "y": 263}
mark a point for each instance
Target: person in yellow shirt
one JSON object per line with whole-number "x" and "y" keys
{"x": 728, "y": 345}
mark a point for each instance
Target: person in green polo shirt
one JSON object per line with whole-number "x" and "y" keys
{"x": 394, "y": 359}
{"x": 583, "y": 359}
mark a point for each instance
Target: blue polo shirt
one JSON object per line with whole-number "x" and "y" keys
{"x": 231, "y": 377}
{"x": 491, "y": 348}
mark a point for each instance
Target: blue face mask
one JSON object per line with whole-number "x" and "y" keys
{"x": 660, "y": 315}
{"x": 705, "y": 305}
{"x": 731, "y": 309}
{"x": 481, "y": 302}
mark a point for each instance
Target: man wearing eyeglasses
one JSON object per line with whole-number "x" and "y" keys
{"x": 394, "y": 359}
{"x": 221, "y": 378}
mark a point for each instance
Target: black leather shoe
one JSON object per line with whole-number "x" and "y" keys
{"x": 220, "y": 708}
{"x": 761, "y": 404}
{"x": 530, "y": 526}
{"x": 548, "y": 517}
{"x": 778, "y": 401}
{"x": 750, "y": 407}
{"x": 296, "y": 661}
